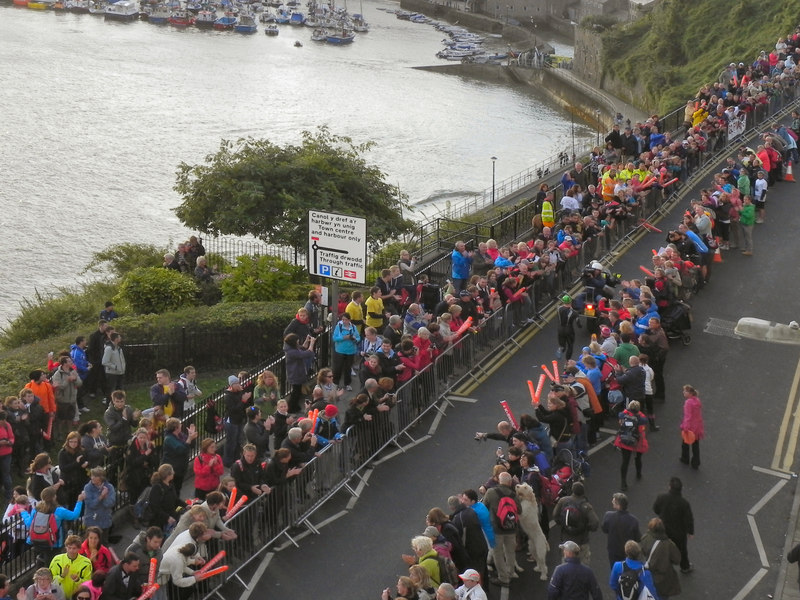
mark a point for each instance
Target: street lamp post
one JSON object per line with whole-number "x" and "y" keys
{"x": 597, "y": 114}
{"x": 494, "y": 161}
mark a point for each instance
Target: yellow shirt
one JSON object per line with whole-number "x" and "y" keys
{"x": 374, "y": 305}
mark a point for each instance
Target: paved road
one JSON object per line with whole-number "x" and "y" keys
{"x": 744, "y": 386}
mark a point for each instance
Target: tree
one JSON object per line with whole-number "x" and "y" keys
{"x": 254, "y": 187}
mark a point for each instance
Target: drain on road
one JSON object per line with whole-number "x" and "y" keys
{"x": 721, "y": 327}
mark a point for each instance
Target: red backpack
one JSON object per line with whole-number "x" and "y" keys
{"x": 44, "y": 529}
{"x": 507, "y": 513}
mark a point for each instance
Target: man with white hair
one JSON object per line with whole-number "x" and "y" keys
{"x": 445, "y": 591}
{"x": 415, "y": 319}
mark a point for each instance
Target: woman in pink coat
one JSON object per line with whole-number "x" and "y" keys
{"x": 692, "y": 430}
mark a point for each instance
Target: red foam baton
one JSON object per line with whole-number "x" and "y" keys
{"x": 466, "y": 325}
{"x": 647, "y": 271}
{"x": 533, "y": 392}
{"x": 670, "y": 182}
{"x": 217, "y": 557}
{"x": 200, "y": 575}
{"x": 548, "y": 373}
{"x": 232, "y": 500}
{"x": 48, "y": 434}
{"x": 539, "y": 388}
{"x": 509, "y": 414}
{"x": 555, "y": 372}
{"x": 151, "y": 576}
{"x": 152, "y": 589}
{"x": 239, "y": 504}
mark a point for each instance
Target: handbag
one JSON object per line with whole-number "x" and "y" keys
{"x": 688, "y": 437}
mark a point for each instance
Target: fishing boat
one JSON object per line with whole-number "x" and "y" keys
{"x": 247, "y": 24}
{"x": 124, "y": 10}
{"x": 158, "y": 14}
{"x": 97, "y": 7}
{"x": 226, "y": 21}
{"x": 267, "y": 16}
{"x": 22, "y": 3}
{"x": 206, "y": 18}
{"x": 319, "y": 35}
{"x": 272, "y": 29}
{"x": 77, "y": 6}
{"x": 181, "y": 18}
{"x": 283, "y": 15}
{"x": 60, "y": 5}
{"x": 297, "y": 18}
{"x": 38, "y": 4}
{"x": 341, "y": 36}
{"x": 360, "y": 25}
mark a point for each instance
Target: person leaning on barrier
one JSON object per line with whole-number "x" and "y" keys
{"x": 197, "y": 534}
{"x": 207, "y": 513}
{"x": 175, "y": 569}
{"x": 278, "y": 471}
{"x": 124, "y": 580}
{"x": 147, "y": 545}
{"x": 294, "y": 442}
{"x": 248, "y": 473}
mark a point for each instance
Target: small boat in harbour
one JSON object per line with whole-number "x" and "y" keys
{"x": 341, "y": 36}
{"x": 272, "y": 29}
{"x": 97, "y": 7}
{"x": 124, "y": 10}
{"x": 297, "y": 18}
{"x": 22, "y": 3}
{"x": 226, "y": 21}
{"x": 206, "y": 18}
{"x": 247, "y": 24}
{"x": 181, "y": 18}
{"x": 319, "y": 35}
{"x": 38, "y": 5}
{"x": 78, "y": 6}
{"x": 159, "y": 14}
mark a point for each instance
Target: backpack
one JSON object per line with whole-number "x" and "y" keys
{"x": 539, "y": 457}
{"x": 142, "y": 503}
{"x": 629, "y": 584}
{"x": 628, "y": 429}
{"x": 44, "y": 529}
{"x": 447, "y": 570}
{"x": 573, "y": 521}
{"x": 507, "y": 513}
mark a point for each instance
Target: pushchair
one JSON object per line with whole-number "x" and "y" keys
{"x": 676, "y": 319}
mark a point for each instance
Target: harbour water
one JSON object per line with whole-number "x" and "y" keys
{"x": 97, "y": 115}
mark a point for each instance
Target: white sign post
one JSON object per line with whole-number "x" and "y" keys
{"x": 337, "y": 247}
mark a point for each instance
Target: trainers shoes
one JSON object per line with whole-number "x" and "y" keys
{"x": 85, "y": 409}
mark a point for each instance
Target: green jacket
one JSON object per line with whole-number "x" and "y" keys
{"x": 747, "y": 215}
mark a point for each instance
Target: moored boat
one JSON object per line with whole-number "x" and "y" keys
{"x": 159, "y": 14}
{"x": 124, "y": 10}
{"x": 247, "y": 24}
{"x": 341, "y": 36}
{"x": 226, "y": 21}
{"x": 22, "y": 3}
{"x": 78, "y": 6}
{"x": 206, "y": 18}
{"x": 37, "y": 5}
{"x": 97, "y": 7}
{"x": 319, "y": 35}
{"x": 181, "y": 18}
{"x": 272, "y": 29}
{"x": 297, "y": 18}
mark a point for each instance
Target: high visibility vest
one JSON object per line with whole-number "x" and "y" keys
{"x": 608, "y": 188}
{"x": 548, "y": 216}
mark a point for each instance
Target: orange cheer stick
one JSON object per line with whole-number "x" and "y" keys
{"x": 235, "y": 508}
{"x": 555, "y": 372}
{"x": 232, "y": 500}
{"x": 539, "y": 388}
{"x": 647, "y": 271}
{"x": 532, "y": 391}
{"x": 149, "y": 593}
{"x": 548, "y": 373}
{"x": 200, "y": 576}
{"x": 48, "y": 434}
{"x": 151, "y": 576}
{"x": 217, "y": 557}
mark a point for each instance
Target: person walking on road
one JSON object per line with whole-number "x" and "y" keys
{"x": 692, "y": 428}
{"x": 577, "y": 519}
{"x": 631, "y": 439}
{"x": 572, "y": 580}
{"x": 505, "y": 535}
{"x": 676, "y": 513}
{"x": 566, "y": 327}
{"x": 621, "y": 526}
{"x": 662, "y": 554}
{"x": 632, "y": 562}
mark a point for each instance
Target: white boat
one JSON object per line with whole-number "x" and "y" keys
{"x": 319, "y": 35}
{"x": 124, "y": 10}
{"x": 272, "y": 29}
{"x": 97, "y": 7}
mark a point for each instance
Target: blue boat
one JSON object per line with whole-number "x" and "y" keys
{"x": 297, "y": 18}
{"x": 283, "y": 16}
{"x": 343, "y": 36}
{"x": 246, "y": 24}
{"x": 226, "y": 21}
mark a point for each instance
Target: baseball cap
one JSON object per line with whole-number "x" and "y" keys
{"x": 470, "y": 575}
{"x": 431, "y": 531}
{"x": 570, "y": 546}
{"x": 331, "y": 411}
{"x": 566, "y": 299}
{"x": 233, "y": 380}
{"x": 464, "y": 293}
{"x": 605, "y": 331}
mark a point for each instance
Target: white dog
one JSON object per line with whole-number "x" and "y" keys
{"x": 537, "y": 543}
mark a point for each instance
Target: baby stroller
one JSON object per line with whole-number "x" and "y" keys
{"x": 676, "y": 319}
{"x": 567, "y": 469}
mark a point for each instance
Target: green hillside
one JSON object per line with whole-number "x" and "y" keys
{"x": 682, "y": 44}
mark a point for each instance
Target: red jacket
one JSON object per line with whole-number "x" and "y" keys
{"x": 6, "y": 433}
{"x": 45, "y": 393}
{"x": 207, "y": 471}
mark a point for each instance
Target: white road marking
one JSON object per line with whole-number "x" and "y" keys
{"x": 773, "y": 472}
{"x": 767, "y": 497}
{"x": 257, "y": 575}
{"x": 461, "y": 399}
{"x": 762, "y": 554}
{"x": 751, "y": 584}
{"x": 359, "y": 488}
{"x": 399, "y": 451}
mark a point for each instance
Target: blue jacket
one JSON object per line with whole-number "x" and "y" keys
{"x": 296, "y": 371}
{"x": 62, "y": 514}
{"x": 78, "y": 356}
{"x": 698, "y": 243}
{"x": 645, "y": 576}
{"x": 573, "y": 581}
{"x": 486, "y": 522}
{"x": 98, "y": 512}
{"x": 343, "y": 344}
{"x": 461, "y": 265}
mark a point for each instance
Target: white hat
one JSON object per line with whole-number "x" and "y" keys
{"x": 470, "y": 575}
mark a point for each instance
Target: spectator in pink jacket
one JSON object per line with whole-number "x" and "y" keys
{"x": 692, "y": 430}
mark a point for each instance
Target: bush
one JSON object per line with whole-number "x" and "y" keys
{"x": 263, "y": 278}
{"x": 157, "y": 290}
{"x": 47, "y": 315}
{"x": 121, "y": 259}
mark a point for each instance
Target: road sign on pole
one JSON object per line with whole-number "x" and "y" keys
{"x": 337, "y": 246}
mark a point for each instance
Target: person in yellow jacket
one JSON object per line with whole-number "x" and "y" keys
{"x": 71, "y": 569}
{"x": 548, "y": 214}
